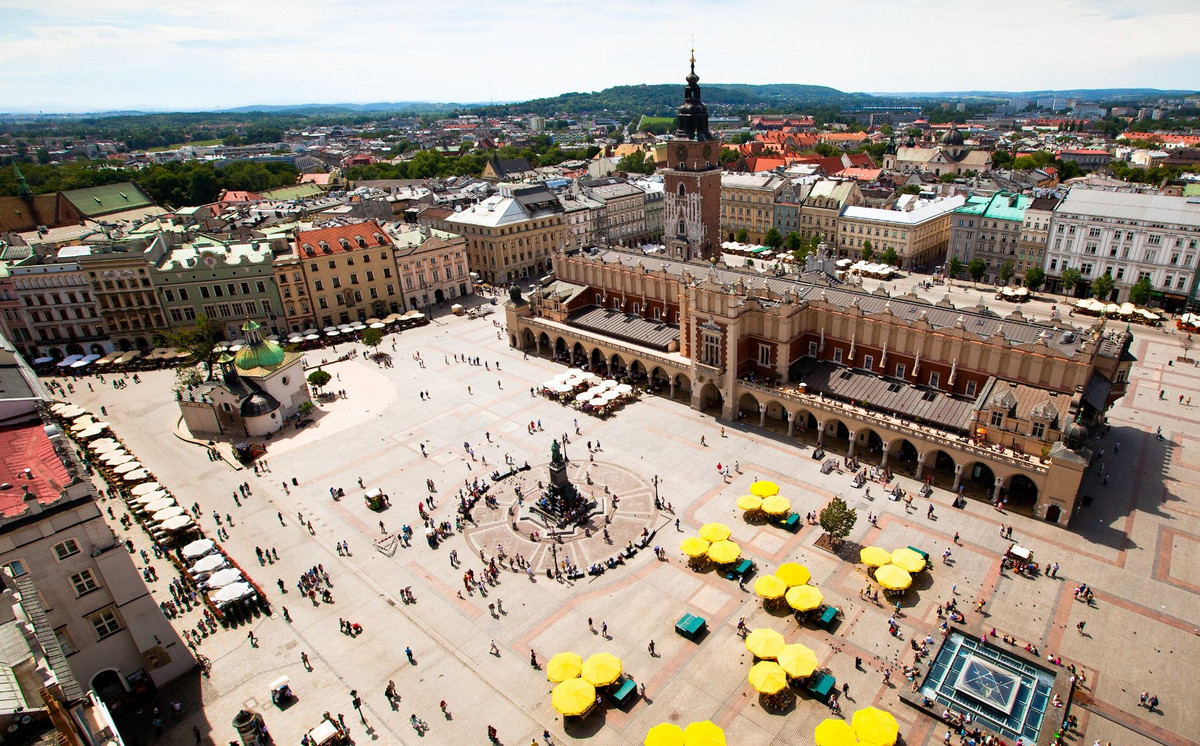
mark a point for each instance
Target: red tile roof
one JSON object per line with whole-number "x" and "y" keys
{"x": 337, "y": 239}
{"x": 27, "y": 447}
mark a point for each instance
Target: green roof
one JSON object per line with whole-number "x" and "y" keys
{"x": 975, "y": 205}
{"x": 296, "y": 191}
{"x": 1002, "y": 206}
{"x": 259, "y": 355}
{"x": 102, "y": 200}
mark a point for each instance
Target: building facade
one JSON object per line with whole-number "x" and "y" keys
{"x": 1128, "y": 237}
{"x": 989, "y": 228}
{"x": 748, "y": 203}
{"x": 624, "y": 216}
{"x": 918, "y": 235}
{"x": 57, "y": 304}
{"x": 823, "y": 206}
{"x": 1035, "y": 234}
{"x": 433, "y": 267}
{"x": 512, "y": 235}
{"x": 349, "y": 273}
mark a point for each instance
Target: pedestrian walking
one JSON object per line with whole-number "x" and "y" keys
{"x": 304, "y": 660}
{"x": 651, "y": 648}
{"x": 533, "y": 658}
{"x": 1080, "y": 627}
{"x": 253, "y": 639}
{"x": 494, "y": 650}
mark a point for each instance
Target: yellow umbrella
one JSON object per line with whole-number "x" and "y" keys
{"x": 724, "y": 552}
{"x": 776, "y": 505}
{"x": 834, "y": 733}
{"x": 908, "y": 560}
{"x": 664, "y": 734}
{"x": 764, "y": 489}
{"x": 797, "y": 660}
{"x": 764, "y": 643}
{"x": 601, "y": 669}
{"x": 893, "y": 578}
{"x": 564, "y": 666}
{"x": 876, "y": 727}
{"x": 767, "y": 677}
{"x": 573, "y": 697}
{"x": 703, "y": 733}
{"x": 793, "y": 573}
{"x": 694, "y": 546}
{"x": 749, "y": 502}
{"x": 804, "y": 597}
{"x": 714, "y": 532}
{"x": 769, "y": 586}
{"x": 874, "y": 556}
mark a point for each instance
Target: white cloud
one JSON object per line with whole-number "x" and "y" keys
{"x": 84, "y": 55}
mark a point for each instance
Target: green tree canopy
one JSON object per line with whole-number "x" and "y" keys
{"x": 1007, "y": 270}
{"x": 954, "y": 267}
{"x": 742, "y": 236}
{"x": 890, "y": 257}
{"x": 837, "y": 520}
{"x": 773, "y": 239}
{"x": 792, "y": 241}
{"x": 977, "y": 269}
{"x": 636, "y": 163}
{"x": 201, "y": 341}
{"x": 1035, "y": 277}
{"x": 318, "y": 379}
{"x": 1140, "y": 292}
{"x": 372, "y": 337}
{"x": 1102, "y": 286}
{"x": 868, "y": 251}
{"x": 1070, "y": 278}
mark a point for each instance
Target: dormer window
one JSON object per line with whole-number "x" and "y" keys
{"x": 324, "y": 246}
{"x": 362, "y": 242}
{"x": 344, "y": 244}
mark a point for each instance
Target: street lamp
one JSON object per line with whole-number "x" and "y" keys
{"x": 356, "y": 702}
{"x": 655, "y": 481}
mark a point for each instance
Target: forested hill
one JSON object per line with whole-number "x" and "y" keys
{"x": 664, "y": 99}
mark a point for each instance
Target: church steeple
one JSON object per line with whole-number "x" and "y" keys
{"x": 23, "y": 189}
{"x": 691, "y": 121}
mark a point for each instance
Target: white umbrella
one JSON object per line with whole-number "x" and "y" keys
{"x": 171, "y": 512}
{"x": 608, "y": 383}
{"x": 359, "y": 327}
{"x": 146, "y": 488}
{"x": 82, "y": 419}
{"x": 295, "y": 338}
{"x": 73, "y": 411}
{"x": 575, "y": 371}
{"x": 563, "y": 376}
{"x": 211, "y": 563}
{"x": 345, "y": 327}
{"x": 150, "y": 497}
{"x": 112, "y": 458}
{"x": 104, "y": 445}
{"x": 127, "y": 467}
{"x": 176, "y": 523}
{"x": 611, "y": 394}
{"x": 311, "y": 330}
{"x": 232, "y": 592}
{"x": 136, "y": 475}
{"x": 312, "y": 337}
{"x": 58, "y": 407}
{"x": 236, "y": 347}
{"x": 598, "y": 402}
{"x": 333, "y": 332}
{"x": 624, "y": 388}
{"x": 94, "y": 431}
{"x": 583, "y": 396}
{"x": 222, "y": 578}
{"x": 378, "y": 325}
{"x": 160, "y": 504}
{"x": 199, "y": 548}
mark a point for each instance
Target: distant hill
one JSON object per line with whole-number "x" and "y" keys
{"x": 1088, "y": 94}
{"x": 414, "y": 107}
{"x": 664, "y": 99}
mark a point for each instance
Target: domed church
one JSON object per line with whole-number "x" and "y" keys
{"x": 254, "y": 392}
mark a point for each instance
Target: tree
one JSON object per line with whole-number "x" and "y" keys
{"x": 1140, "y": 292}
{"x": 742, "y": 236}
{"x": 954, "y": 268}
{"x": 1103, "y": 286}
{"x": 774, "y": 239}
{"x": 837, "y": 520}
{"x": 200, "y": 341}
{"x": 1070, "y": 278}
{"x": 909, "y": 189}
{"x": 792, "y": 241}
{"x": 1007, "y": 270}
{"x": 977, "y": 269}
{"x": 947, "y": 178}
{"x": 868, "y": 251}
{"x": 318, "y": 379}
{"x": 372, "y": 338}
{"x": 636, "y": 163}
{"x": 1186, "y": 343}
{"x": 890, "y": 257}
{"x": 1035, "y": 277}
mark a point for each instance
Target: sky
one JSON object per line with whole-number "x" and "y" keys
{"x": 96, "y": 55}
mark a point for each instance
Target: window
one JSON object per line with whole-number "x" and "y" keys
{"x": 84, "y": 582}
{"x": 869, "y": 362}
{"x": 764, "y": 355}
{"x": 183, "y": 294}
{"x": 998, "y": 419}
{"x": 337, "y": 282}
{"x": 837, "y": 355}
{"x": 203, "y": 291}
{"x": 934, "y": 379}
{"x": 105, "y": 623}
{"x": 322, "y": 303}
{"x": 900, "y": 370}
{"x": 353, "y": 278}
{"x": 370, "y": 276}
{"x": 711, "y": 349}
{"x": 318, "y": 285}
{"x": 17, "y": 568}
{"x": 971, "y": 388}
{"x": 1038, "y": 430}
{"x": 64, "y": 641}
{"x": 65, "y": 549}
{"x": 169, "y": 294}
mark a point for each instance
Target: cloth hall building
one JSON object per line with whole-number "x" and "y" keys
{"x": 958, "y": 398}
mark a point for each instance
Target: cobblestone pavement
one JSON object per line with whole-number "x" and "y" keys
{"x": 1137, "y": 545}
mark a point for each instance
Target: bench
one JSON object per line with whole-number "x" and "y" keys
{"x": 623, "y": 693}
{"x": 690, "y": 626}
{"x": 821, "y": 684}
{"x": 739, "y": 570}
{"x": 791, "y": 523}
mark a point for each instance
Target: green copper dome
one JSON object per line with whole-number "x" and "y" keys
{"x": 257, "y": 353}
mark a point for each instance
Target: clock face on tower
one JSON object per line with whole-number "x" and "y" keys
{"x": 707, "y": 151}
{"x": 681, "y": 152}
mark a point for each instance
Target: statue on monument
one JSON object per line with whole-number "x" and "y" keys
{"x": 555, "y": 454}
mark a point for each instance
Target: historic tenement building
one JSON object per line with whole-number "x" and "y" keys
{"x": 961, "y": 398}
